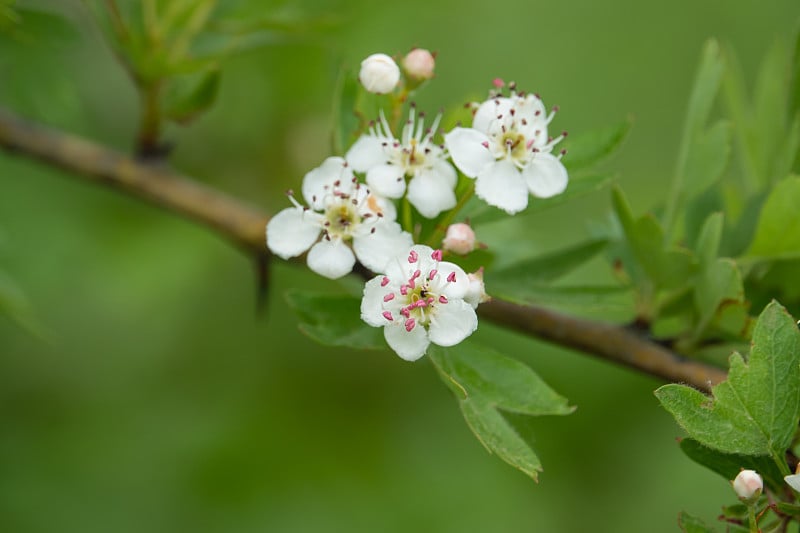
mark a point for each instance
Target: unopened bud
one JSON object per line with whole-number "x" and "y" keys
{"x": 476, "y": 292}
{"x": 419, "y": 64}
{"x": 748, "y": 485}
{"x": 379, "y": 74}
{"x": 460, "y": 239}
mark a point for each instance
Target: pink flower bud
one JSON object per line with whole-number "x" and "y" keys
{"x": 419, "y": 64}
{"x": 748, "y": 485}
{"x": 460, "y": 239}
{"x": 379, "y": 74}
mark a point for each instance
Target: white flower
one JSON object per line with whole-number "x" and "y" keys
{"x": 419, "y": 64}
{"x": 460, "y": 239}
{"x": 389, "y": 161}
{"x": 341, "y": 210}
{"x": 748, "y": 485}
{"x": 476, "y": 294}
{"x": 379, "y": 74}
{"x": 419, "y": 300}
{"x": 508, "y": 151}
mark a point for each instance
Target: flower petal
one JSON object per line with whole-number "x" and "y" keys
{"x": 292, "y": 231}
{"x": 455, "y": 289}
{"x": 375, "y": 249}
{"x": 502, "y": 185}
{"x": 431, "y": 192}
{"x": 366, "y": 153}
{"x": 319, "y": 182}
{"x": 387, "y": 180}
{"x": 331, "y": 258}
{"x": 409, "y": 345}
{"x": 487, "y": 113}
{"x": 469, "y": 153}
{"x": 545, "y": 176}
{"x": 372, "y": 303}
{"x": 452, "y": 323}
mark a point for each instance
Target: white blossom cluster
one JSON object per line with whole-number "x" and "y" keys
{"x": 349, "y": 213}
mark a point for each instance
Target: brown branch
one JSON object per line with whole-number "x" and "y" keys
{"x": 245, "y": 226}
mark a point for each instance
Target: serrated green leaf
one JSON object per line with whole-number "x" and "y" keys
{"x": 692, "y": 524}
{"x": 778, "y": 229}
{"x": 486, "y": 382}
{"x": 334, "y": 320}
{"x": 756, "y": 410}
{"x": 728, "y": 465}
{"x": 548, "y": 267}
{"x": 589, "y": 148}
{"x": 189, "y": 96}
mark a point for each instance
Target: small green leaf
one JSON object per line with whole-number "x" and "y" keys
{"x": 692, "y": 524}
{"x": 487, "y": 383}
{"x": 728, "y": 465}
{"x": 778, "y": 229}
{"x": 189, "y": 96}
{"x": 334, "y": 320}
{"x": 589, "y": 148}
{"x": 345, "y": 121}
{"x": 707, "y": 246}
{"x": 707, "y": 158}
{"x": 717, "y": 283}
{"x": 756, "y": 410}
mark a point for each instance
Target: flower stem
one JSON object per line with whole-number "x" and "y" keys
{"x": 751, "y": 514}
{"x": 438, "y": 234}
{"x": 406, "y": 220}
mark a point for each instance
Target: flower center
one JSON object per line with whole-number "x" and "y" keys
{"x": 514, "y": 144}
{"x": 341, "y": 218}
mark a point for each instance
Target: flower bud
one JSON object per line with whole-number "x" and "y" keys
{"x": 419, "y": 64}
{"x": 476, "y": 292}
{"x": 460, "y": 239}
{"x": 748, "y": 485}
{"x": 379, "y": 74}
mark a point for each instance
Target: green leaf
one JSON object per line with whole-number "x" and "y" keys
{"x": 334, "y": 320}
{"x": 728, "y": 465}
{"x": 487, "y": 383}
{"x": 346, "y": 124}
{"x": 189, "y": 96}
{"x": 589, "y": 148}
{"x": 547, "y": 267}
{"x": 778, "y": 229}
{"x": 707, "y": 158}
{"x": 756, "y": 410}
{"x": 692, "y": 524}
{"x": 667, "y": 267}
{"x": 717, "y": 283}
{"x": 15, "y": 305}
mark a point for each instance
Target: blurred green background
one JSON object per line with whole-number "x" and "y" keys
{"x": 158, "y": 400}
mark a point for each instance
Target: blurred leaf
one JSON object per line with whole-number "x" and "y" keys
{"x": 667, "y": 267}
{"x": 717, "y": 283}
{"x": 546, "y": 268}
{"x": 756, "y": 410}
{"x": 707, "y": 247}
{"x": 728, "y": 465}
{"x": 481, "y": 213}
{"x": 334, "y": 320}
{"x": 791, "y": 509}
{"x": 692, "y": 524}
{"x": 778, "y": 230}
{"x": 486, "y": 382}
{"x": 188, "y": 96}
{"x": 346, "y": 124}
{"x": 589, "y": 148}
{"x": 16, "y": 306}
{"x": 770, "y": 107}
{"x": 583, "y": 296}
{"x": 707, "y": 158}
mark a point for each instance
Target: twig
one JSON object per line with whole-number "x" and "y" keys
{"x": 245, "y": 226}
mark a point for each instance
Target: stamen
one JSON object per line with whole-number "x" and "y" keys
{"x": 432, "y": 274}
{"x": 442, "y": 299}
{"x": 410, "y": 323}
{"x": 412, "y": 257}
{"x": 452, "y": 277}
{"x": 389, "y": 297}
{"x": 436, "y": 255}
{"x": 384, "y": 281}
{"x": 416, "y": 274}
{"x": 404, "y": 290}
{"x": 388, "y": 316}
